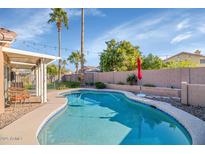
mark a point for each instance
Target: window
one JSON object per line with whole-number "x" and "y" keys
{"x": 202, "y": 61}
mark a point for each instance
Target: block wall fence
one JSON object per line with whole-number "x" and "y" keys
{"x": 160, "y": 78}
{"x": 186, "y": 83}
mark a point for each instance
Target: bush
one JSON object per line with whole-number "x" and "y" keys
{"x": 100, "y": 85}
{"x": 28, "y": 86}
{"x": 89, "y": 83}
{"x": 149, "y": 85}
{"x": 51, "y": 85}
{"x": 132, "y": 79}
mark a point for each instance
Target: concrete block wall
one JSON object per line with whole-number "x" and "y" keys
{"x": 197, "y": 75}
{"x": 160, "y": 78}
{"x": 193, "y": 94}
{"x": 160, "y": 91}
{"x": 89, "y": 77}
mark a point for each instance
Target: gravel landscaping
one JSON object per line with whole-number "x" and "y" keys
{"x": 194, "y": 110}
{"x": 11, "y": 114}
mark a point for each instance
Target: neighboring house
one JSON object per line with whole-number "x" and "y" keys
{"x": 12, "y": 60}
{"x": 90, "y": 69}
{"x": 195, "y": 57}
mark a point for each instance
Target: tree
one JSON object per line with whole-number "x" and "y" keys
{"x": 82, "y": 41}
{"x": 59, "y": 16}
{"x": 64, "y": 63}
{"x": 119, "y": 56}
{"x": 52, "y": 71}
{"x": 180, "y": 64}
{"x": 150, "y": 62}
{"x": 75, "y": 58}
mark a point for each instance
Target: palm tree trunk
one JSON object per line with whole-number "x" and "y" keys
{"x": 76, "y": 66}
{"x": 82, "y": 41}
{"x": 59, "y": 54}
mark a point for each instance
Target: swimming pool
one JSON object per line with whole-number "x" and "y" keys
{"x": 100, "y": 117}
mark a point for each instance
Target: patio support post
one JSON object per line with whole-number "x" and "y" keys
{"x": 41, "y": 80}
{"x": 45, "y": 81}
{"x": 37, "y": 86}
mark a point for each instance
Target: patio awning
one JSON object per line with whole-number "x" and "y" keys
{"x": 37, "y": 62}
{"x": 21, "y": 59}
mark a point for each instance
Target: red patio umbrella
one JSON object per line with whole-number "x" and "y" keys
{"x": 139, "y": 72}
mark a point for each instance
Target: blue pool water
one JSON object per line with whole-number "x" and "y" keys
{"x": 93, "y": 117}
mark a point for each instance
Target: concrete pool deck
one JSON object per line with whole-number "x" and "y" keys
{"x": 25, "y": 129}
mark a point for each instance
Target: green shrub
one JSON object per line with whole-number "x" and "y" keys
{"x": 63, "y": 85}
{"x": 90, "y": 83}
{"x": 132, "y": 79}
{"x": 100, "y": 85}
{"x": 71, "y": 84}
{"x": 51, "y": 85}
{"x": 149, "y": 85}
{"x": 28, "y": 86}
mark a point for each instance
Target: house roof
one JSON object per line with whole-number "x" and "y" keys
{"x": 188, "y": 53}
{"x": 26, "y": 59}
{"x": 7, "y": 35}
{"x": 90, "y": 69}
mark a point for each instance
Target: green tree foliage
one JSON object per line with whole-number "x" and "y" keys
{"x": 119, "y": 56}
{"x": 52, "y": 71}
{"x": 63, "y": 68}
{"x": 180, "y": 64}
{"x": 75, "y": 58}
{"x": 150, "y": 62}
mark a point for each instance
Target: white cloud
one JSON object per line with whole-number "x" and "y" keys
{"x": 183, "y": 24}
{"x": 132, "y": 30}
{"x": 202, "y": 28}
{"x": 181, "y": 37}
{"x": 74, "y": 12}
{"x": 35, "y": 25}
{"x": 88, "y": 12}
{"x": 95, "y": 12}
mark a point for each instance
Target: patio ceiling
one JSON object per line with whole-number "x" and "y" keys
{"x": 21, "y": 59}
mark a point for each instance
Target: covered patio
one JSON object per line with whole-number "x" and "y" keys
{"x": 34, "y": 64}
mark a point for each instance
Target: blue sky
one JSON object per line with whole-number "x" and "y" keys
{"x": 163, "y": 32}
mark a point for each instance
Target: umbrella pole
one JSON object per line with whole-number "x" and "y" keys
{"x": 140, "y": 86}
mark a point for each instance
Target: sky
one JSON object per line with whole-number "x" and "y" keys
{"x": 163, "y": 32}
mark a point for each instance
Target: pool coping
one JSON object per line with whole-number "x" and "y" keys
{"x": 194, "y": 125}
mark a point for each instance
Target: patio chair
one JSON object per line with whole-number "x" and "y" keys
{"x": 15, "y": 97}
{"x": 24, "y": 93}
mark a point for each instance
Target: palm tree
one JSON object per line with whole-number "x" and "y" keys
{"x": 75, "y": 58}
{"x": 64, "y": 63}
{"x": 59, "y": 16}
{"x": 82, "y": 41}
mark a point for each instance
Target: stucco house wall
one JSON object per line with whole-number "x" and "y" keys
{"x": 195, "y": 58}
{"x": 6, "y": 38}
{"x": 1, "y": 81}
